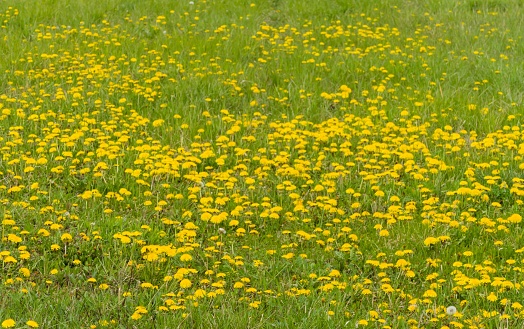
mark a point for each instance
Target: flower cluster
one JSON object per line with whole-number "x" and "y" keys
{"x": 164, "y": 165}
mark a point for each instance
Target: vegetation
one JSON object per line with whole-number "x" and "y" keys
{"x": 288, "y": 164}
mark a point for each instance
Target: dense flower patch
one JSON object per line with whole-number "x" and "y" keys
{"x": 185, "y": 165}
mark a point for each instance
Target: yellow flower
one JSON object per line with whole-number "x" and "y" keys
{"x": 43, "y": 232}
{"x": 10, "y": 259}
{"x": 66, "y": 237}
{"x": 200, "y": 293}
{"x": 146, "y": 285}
{"x": 515, "y": 218}
{"x": 136, "y": 316}
{"x": 9, "y": 323}
{"x": 430, "y": 293}
{"x": 431, "y": 241}
{"x": 151, "y": 256}
{"x": 254, "y": 304}
{"x": 492, "y": 297}
{"x": 238, "y": 285}
{"x": 185, "y": 284}
{"x": 158, "y": 123}
{"x": 14, "y": 238}
{"x": 186, "y": 258}
{"x": 345, "y": 91}
{"x": 32, "y": 324}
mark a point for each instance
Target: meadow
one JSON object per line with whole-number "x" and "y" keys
{"x": 261, "y": 164}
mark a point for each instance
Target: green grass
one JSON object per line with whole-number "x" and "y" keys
{"x": 274, "y": 164}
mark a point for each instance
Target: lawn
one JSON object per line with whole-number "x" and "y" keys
{"x": 261, "y": 164}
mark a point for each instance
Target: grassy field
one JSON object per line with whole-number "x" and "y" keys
{"x": 264, "y": 164}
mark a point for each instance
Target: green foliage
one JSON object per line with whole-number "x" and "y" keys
{"x": 289, "y": 164}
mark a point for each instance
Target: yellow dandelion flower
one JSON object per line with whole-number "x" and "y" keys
{"x": 185, "y": 283}
{"x": 151, "y": 256}
{"x": 10, "y": 259}
{"x": 9, "y": 323}
{"x": 254, "y": 304}
{"x": 136, "y": 316}
{"x": 238, "y": 285}
{"x": 186, "y": 258}
{"x": 492, "y": 297}
{"x": 158, "y": 123}
{"x": 431, "y": 241}
{"x": 66, "y": 237}
{"x": 14, "y": 238}
{"x": 515, "y": 218}
{"x": 430, "y": 293}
